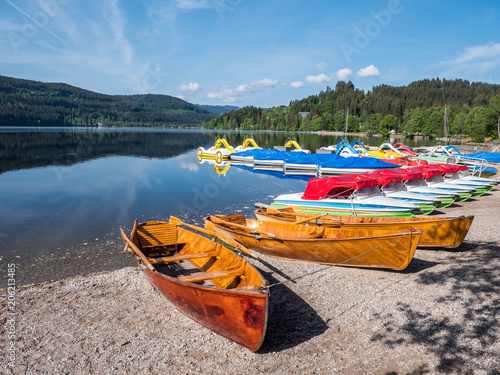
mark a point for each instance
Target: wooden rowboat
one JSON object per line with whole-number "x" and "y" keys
{"x": 203, "y": 279}
{"x": 436, "y": 231}
{"x": 336, "y": 246}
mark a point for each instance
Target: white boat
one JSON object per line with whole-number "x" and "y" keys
{"x": 466, "y": 175}
{"x": 453, "y": 173}
{"x": 414, "y": 183}
{"x": 439, "y": 181}
{"x": 393, "y": 187}
{"x": 248, "y": 144}
{"x": 219, "y": 151}
{"x": 345, "y": 193}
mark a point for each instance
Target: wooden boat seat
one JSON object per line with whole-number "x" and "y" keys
{"x": 157, "y": 235}
{"x": 236, "y": 219}
{"x": 203, "y": 276}
{"x": 181, "y": 257}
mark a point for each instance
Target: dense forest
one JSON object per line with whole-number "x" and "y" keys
{"x": 472, "y": 110}
{"x": 32, "y": 103}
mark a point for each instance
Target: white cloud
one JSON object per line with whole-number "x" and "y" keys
{"x": 225, "y": 94}
{"x": 474, "y": 53}
{"x": 116, "y": 22}
{"x": 192, "y": 86}
{"x": 369, "y": 71}
{"x": 232, "y": 95}
{"x": 318, "y": 79}
{"x": 343, "y": 74}
{"x": 192, "y": 4}
{"x": 257, "y": 85}
{"x": 475, "y": 61}
{"x": 296, "y": 84}
{"x": 148, "y": 79}
{"x": 321, "y": 65}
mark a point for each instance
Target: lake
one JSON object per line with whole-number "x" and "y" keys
{"x": 65, "y": 192}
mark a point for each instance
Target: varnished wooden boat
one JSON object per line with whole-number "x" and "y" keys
{"x": 336, "y": 246}
{"x": 446, "y": 232}
{"x": 203, "y": 279}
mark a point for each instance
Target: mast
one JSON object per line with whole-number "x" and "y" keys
{"x": 446, "y": 124}
{"x": 346, "y": 118}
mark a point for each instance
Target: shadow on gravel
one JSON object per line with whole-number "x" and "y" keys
{"x": 464, "y": 341}
{"x": 462, "y": 248}
{"x": 417, "y": 265}
{"x": 291, "y": 320}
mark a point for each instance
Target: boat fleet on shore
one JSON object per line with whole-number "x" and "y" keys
{"x": 361, "y": 208}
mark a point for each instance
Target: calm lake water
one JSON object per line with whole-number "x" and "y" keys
{"x": 64, "y": 193}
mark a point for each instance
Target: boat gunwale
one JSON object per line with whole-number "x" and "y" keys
{"x": 177, "y": 280}
{"x": 318, "y": 239}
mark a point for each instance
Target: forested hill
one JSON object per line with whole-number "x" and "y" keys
{"x": 472, "y": 109}
{"x": 218, "y": 109}
{"x": 32, "y": 103}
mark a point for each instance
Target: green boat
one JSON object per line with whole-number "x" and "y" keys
{"x": 321, "y": 211}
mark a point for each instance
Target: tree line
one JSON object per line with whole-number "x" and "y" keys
{"x": 472, "y": 110}
{"x": 31, "y": 103}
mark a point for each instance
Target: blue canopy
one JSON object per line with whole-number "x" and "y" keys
{"x": 493, "y": 157}
{"x": 256, "y": 152}
{"x": 302, "y": 158}
{"x": 323, "y": 160}
{"x": 279, "y": 155}
{"x": 354, "y": 162}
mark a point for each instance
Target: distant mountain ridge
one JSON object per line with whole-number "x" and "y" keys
{"x": 218, "y": 109}
{"x": 32, "y": 103}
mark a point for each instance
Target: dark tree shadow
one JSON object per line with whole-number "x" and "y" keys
{"x": 291, "y": 320}
{"x": 417, "y": 265}
{"x": 456, "y": 340}
{"x": 462, "y": 248}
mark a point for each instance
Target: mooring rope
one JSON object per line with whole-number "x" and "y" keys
{"x": 327, "y": 267}
{"x": 322, "y": 269}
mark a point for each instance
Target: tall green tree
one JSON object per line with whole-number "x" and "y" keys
{"x": 494, "y": 116}
{"x": 386, "y": 125}
{"x": 476, "y": 124}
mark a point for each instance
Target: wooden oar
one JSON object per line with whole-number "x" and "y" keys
{"x": 220, "y": 221}
{"x": 177, "y": 221}
{"x": 138, "y": 252}
{"x": 308, "y": 219}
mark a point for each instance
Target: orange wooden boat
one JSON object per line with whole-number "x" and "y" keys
{"x": 203, "y": 279}
{"x": 436, "y": 231}
{"x": 337, "y": 246}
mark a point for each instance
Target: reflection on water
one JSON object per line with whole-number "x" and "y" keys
{"x": 67, "y": 192}
{"x": 23, "y": 149}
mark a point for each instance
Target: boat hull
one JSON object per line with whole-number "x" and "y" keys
{"x": 436, "y": 232}
{"x": 426, "y": 191}
{"x": 340, "y": 247}
{"x": 238, "y": 316}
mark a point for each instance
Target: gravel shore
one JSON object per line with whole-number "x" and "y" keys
{"x": 440, "y": 315}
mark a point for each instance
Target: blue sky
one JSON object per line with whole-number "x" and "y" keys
{"x": 242, "y": 52}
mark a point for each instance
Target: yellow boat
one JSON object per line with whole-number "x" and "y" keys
{"x": 219, "y": 152}
{"x": 203, "y": 279}
{"x": 335, "y": 246}
{"x": 446, "y": 232}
